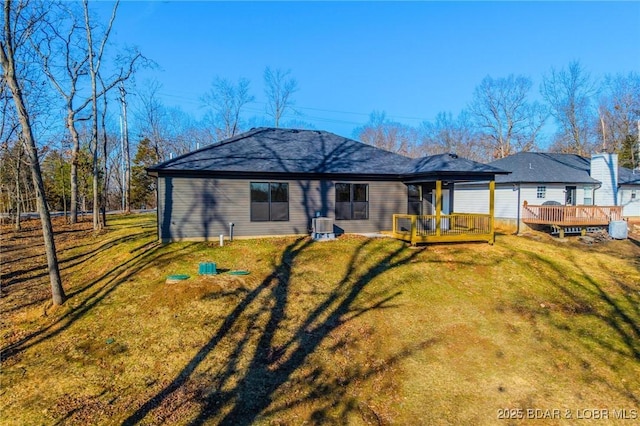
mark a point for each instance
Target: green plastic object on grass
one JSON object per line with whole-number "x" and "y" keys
{"x": 238, "y": 272}
{"x": 178, "y": 277}
{"x": 207, "y": 268}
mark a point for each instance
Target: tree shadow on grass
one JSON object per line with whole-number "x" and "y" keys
{"x": 94, "y": 292}
{"x": 614, "y": 336}
{"x": 18, "y": 275}
{"x": 246, "y": 388}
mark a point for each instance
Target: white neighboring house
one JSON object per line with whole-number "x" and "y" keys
{"x": 565, "y": 179}
{"x": 629, "y": 192}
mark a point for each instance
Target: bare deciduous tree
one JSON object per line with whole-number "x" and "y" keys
{"x": 388, "y": 135}
{"x": 619, "y": 112}
{"x": 126, "y": 151}
{"x": 151, "y": 117}
{"x": 279, "y": 87}
{"x": 96, "y": 54}
{"x": 64, "y": 72}
{"x": 448, "y": 134}
{"x": 10, "y": 44}
{"x": 506, "y": 119}
{"x": 226, "y": 100}
{"x": 568, "y": 93}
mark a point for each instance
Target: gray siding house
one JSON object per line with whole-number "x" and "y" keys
{"x": 269, "y": 182}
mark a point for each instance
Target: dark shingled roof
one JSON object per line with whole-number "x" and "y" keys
{"x": 537, "y": 167}
{"x": 310, "y": 152}
{"x": 450, "y": 164}
{"x": 628, "y": 176}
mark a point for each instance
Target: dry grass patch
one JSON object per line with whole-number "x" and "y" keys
{"x": 353, "y": 331}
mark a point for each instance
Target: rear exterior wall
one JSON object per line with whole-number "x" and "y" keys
{"x": 201, "y": 208}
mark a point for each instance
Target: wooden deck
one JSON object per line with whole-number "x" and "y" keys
{"x": 443, "y": 228}
{"x": 562, "y": 217}
{"x": 571, "y": 215}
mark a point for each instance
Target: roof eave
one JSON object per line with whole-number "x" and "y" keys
{"x": 404, "y": 177}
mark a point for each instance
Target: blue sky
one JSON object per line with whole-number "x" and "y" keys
{"x": 409, "y": 59}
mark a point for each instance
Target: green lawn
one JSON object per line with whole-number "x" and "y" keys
{"x": 352, "y": 331}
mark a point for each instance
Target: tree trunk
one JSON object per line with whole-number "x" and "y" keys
{"x": 105, "y": 180}
{"x": 96, "y": 188}
{"x": 93, "y": 73}
{"x": 7, "y": 60}
{"x": 17, "y": 225}
{"x": 126, "y": 151}
{"x": 64, "y": 190}
{"x": 75, "y": 152}
{"x": 97, "y": 225}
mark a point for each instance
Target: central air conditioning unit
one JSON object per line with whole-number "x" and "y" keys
{"x": 322, "y": 229}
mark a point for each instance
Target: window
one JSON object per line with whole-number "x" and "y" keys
{"x": 352, "y": 201}
{"x": 414, "y": 193}
{"x": 634, "y": 194}
{"x": 588, "y": 196}
{"x": 541, "y": 192}
{"x": 269, "y": 201}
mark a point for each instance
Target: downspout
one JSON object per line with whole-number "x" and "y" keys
{"x": 593, "y": 192}
{"x": 492, "y": 210}
{"x": 438, "y": 206}
{"x": 519, "y": 209}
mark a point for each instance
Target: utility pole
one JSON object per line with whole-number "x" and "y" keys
{"x": 125, "y": 151}
{"x": 122, "y": 160}
{"x": 604, "y": 137}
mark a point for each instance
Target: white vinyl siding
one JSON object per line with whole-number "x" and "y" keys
{"x": 474, "y": 198}
{"x": 471, "y": 198}
{"x": 630, "y": 204}
{"x": 553, "y": 192}
{"x": 604, "y": 168}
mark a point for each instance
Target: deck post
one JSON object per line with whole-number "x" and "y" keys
{"x": 492, "y": 208}
{"x": 414, "y": 230}
{"x": 438, "y": 206}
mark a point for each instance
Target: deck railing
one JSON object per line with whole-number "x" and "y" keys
{"x": 443, "y": 228}
{"x": 571, "y": 215}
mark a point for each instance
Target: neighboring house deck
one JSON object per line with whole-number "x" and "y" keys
{"x": 566, "y": 217}
{"x": 564, "y": 191}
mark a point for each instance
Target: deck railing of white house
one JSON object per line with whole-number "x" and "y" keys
{"x": 571, "y": 215}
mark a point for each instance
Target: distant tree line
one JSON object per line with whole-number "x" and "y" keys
{"x": 589, "y": 115}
